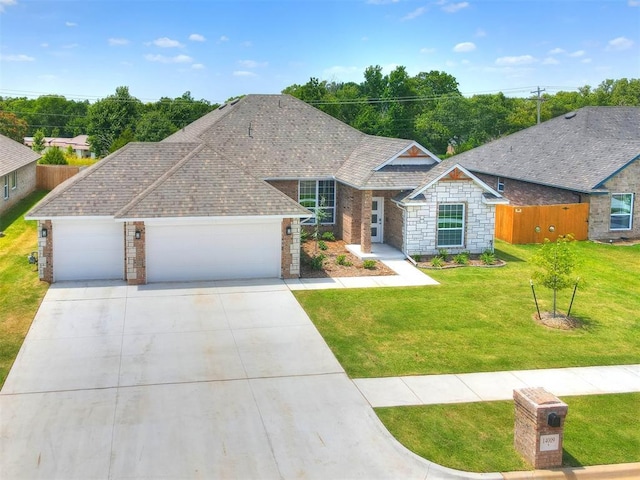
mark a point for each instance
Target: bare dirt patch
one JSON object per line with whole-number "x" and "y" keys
{"x": 560, "y": 321}
{"x": 330, "y": 267}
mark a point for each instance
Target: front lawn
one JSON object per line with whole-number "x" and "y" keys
{"x": 20, "y": 290}
{"x": 481, "y": 319}
{"x": 478, "y": 437}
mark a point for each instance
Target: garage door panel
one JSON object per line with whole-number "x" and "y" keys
{"x": 88, "y": 250}
{"x": 213, "y": 252}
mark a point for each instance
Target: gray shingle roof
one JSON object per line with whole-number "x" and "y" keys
{"x": 575, "y": 152}
{"x": 14, "y": 155}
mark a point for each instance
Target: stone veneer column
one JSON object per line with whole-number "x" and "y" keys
{"x": 45, "y": 251}
{"x": 365, "y": 224}
{"x": 135, "y": 254}
{"x": 290, "y": 257}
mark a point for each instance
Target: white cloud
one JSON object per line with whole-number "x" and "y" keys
{"x": 16, "y": 58}
{"x": 48, "y": 77}
{"x": 70, "y": 46}
{"x": 223, "y": 38}
{"x": 246, "y": 44}
{"x": 577, "y": 53}
{"x": 381, "y": 2}
{"x": 118, "y": 42}
{"x": 197, "y": 66}
{"x": 585, "y": 60}
{"x": 415, "y": 14}
{"x": 557, "y": 51}
{"x": 196, "y": 37}
{"x": 550, "y": 61}
{"x": 44, "y": 45}
{"x": 620, "y": 43}
{"x": 480, "y": 33}
{"x": 164, "y": 59}
{"x": 252, "y": 64}
{"x": 454, "y": 7}
{"x": 427, "y": 50}
{"x": 464, "y": 47}
{"x": 165, "y": 42}
{"x": 243, "y": 73}
{"x": 6, "y": 3}
{"x": 71, "y": 24}
{"x": 634, "y": 3}
{"x": 520, "y": 60}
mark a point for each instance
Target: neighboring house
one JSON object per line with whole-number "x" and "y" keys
{"x": 17, "y": 172}
{"x": 227, "y": 196}
{"x": 79, "y": 144}
{"x": 588, "y": 156}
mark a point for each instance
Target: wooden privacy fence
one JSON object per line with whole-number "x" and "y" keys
{"x": 532, "y": 224}
{"x": 49, "y": 177}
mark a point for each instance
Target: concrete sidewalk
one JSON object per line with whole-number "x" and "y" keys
{"x": 489, "y": 386}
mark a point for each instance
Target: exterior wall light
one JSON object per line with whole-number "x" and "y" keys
{"x": 43, "y": 233}
{"x": 138, "y": 235}
{"x": 288, "y": 230}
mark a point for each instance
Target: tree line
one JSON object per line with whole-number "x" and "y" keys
{"x": 111, "y": 122}
{"x": 430, "y": 109}
{"x": 427, "y": 108}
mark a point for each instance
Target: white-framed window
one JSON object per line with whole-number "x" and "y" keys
{"x": 451, "y": 225}
{"x": 500, "y": 184}
{"x": 621, "y": 211}
{"x": 321, "y": 194}
{"x": 6, "y": 187}
{"x": 14, "y": 180}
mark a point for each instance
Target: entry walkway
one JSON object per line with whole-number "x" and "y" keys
{"x": 490, "y": 386}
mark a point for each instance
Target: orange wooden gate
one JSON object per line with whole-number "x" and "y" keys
{"x": 532, "y": 224}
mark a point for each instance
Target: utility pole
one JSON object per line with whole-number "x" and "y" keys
{"x": 538, "y": 92}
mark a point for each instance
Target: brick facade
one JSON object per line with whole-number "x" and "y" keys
{"x": 421, "y": 220}
{"x": 525, "y": 193}
{"x": 26, "y": 183}
{"x": 365, "y": 223}
{"x": 290, "y": 256}
{"x": 45, "y": 251}
{"x": 135, "y": 253}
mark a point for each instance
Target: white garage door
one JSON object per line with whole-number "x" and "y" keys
{"x": 213, "y": 252}
{"x": 88, "y": 250}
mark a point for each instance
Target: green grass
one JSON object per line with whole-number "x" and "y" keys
{"x": 20, "y": 290}
{"x": 480, "y": 319}
{"x": 478, "y": 437}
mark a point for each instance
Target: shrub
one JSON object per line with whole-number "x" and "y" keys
{"x": 488, "y": 257}
{"x": 442, "y": 253}
{"x": 329, "y": 237}
{"x": 369, "y": 264}
{"x": 342, "y": 260}
{"x": 416, "y": 257}
{"x": 304, "y": 235}
{"x": 322, "y": 245}
{"x": 437, "y": 262}
{"x": 461, "y": 258}
{"x": 53, "y": 156}
{"x": 317, "y": 261}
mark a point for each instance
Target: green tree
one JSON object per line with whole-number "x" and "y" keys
{"x": 38, "y": 141}
{"x": 13, "y": 127}
{"x": 153, "y": 127}
{"x": 110, "y": 117}
{"x": 124, "y": 138}
{"x": 53, "y": 156}
{"x": 556, "y": 262}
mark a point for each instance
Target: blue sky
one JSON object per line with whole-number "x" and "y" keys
{"x": 221, "y": 48}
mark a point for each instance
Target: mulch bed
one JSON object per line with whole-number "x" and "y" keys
{"x": 560, "y": 321}
{"x": 331, "y": 269}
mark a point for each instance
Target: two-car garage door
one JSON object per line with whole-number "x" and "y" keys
{"x": 213, "y": 251}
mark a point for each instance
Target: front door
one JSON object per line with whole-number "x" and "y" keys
{"x": 377, "y": 214}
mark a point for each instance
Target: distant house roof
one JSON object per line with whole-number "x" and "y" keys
{"x": 578, "y": 151}
{"x": 14, "y": 155}
{"x": 79, "y": 142}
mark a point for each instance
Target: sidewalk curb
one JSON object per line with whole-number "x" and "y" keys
{"x": 622, "y": 471}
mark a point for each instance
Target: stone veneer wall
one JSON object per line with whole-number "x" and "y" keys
{"x": 45, "y": 251}
{"x": 135, "y": 253}
{"x": 421, "y": 220}
{"x": 525, "y": 193}
{"x": 290, "y": 257}
{"x": 627, "y": 181}
{"x": 26, "y": 183}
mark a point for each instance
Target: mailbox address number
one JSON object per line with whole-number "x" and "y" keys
{"x": 549, "y": 443}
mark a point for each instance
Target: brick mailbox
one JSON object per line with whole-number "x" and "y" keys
{"x": 539, "y": 426}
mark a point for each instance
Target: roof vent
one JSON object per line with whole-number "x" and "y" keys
{"x": 570, "y": 115}
{"x": 234, "y": 101}
{"x": 222, "y": 106}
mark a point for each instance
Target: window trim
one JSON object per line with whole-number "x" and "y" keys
{"x": 629, "y": 215}
{"x": 311, "y": 220}
{"x": 5, "y": 189}
{"x": 461, "y": 229}
{"x": 500, "y": 184}
{"x": 14, "y": 180}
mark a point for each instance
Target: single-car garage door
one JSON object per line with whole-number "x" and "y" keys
{"x": 88, "y": 250}
{"x": 213, "y": 251}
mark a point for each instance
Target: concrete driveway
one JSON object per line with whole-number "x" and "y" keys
{"x": 217, "y": 380}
